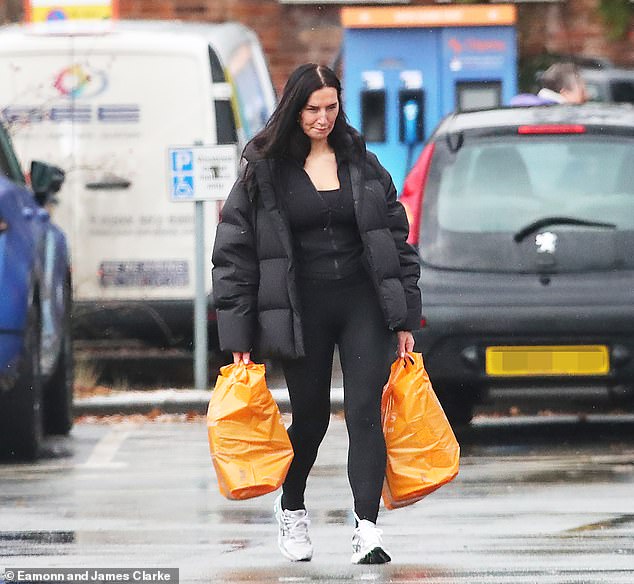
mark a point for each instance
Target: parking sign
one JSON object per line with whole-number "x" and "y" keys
{"x": 202, "y": 173}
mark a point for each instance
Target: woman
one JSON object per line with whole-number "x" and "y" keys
{"x": 311, "y": 253}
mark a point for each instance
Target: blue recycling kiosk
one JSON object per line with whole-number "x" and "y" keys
{"x": 406, "y": 67}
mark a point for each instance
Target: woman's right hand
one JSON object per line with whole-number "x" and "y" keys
{"x": 239, "y": 357}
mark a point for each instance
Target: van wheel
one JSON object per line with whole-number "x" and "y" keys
{"x": 58, "y": 393}
{"x": 20, "y": 407}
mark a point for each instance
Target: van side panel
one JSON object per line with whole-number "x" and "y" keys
{"x": 108, "y": 118}
{"x": 106, "y": 104}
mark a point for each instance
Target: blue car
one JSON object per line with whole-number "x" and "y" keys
{"x": 36, "y": 366}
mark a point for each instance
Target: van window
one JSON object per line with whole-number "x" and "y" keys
{"x": 226, "y": 127}
{"x": 217, "y": 74}
{"x": 251, "y": 100}
{"x": 226, "y": 131}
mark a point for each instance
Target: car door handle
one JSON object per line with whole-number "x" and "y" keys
{"x": 113, "y": 183}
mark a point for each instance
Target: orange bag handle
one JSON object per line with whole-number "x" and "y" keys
{"x": 409, "y": 359}
{"x": 239, "y": 370}
{"x": 406, "y": 361}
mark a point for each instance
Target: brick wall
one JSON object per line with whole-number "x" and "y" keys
{"x": 573, "y": 27}
{"x": 294, "y": 34}
{"x": 290, "y": 35}
{"x": 11, "y": 10}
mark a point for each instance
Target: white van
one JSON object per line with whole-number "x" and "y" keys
{"x": 105, "y": 102}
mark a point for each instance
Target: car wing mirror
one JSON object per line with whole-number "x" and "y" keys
{"x": 46, "y": 180}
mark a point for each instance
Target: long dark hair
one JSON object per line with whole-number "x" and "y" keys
{"x": 282, "y": 137}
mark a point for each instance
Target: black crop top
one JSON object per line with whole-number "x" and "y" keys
{"x": 325, "y": 233}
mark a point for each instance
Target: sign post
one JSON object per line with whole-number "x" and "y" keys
{"x": 198, "y": 174}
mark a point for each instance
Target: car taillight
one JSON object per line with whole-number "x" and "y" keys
{"x": 414, "y": 191}
{"x": 552, "y": 129}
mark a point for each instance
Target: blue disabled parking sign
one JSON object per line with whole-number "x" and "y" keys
{"x": 182, "y": 171}
{"x": 202, "y": 173}
{"x": 183, "y": 187}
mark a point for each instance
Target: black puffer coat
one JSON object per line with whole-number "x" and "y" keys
{"x": 253, "y": 272}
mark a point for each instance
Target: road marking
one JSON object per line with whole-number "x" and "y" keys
{"x": 106, "y": 449}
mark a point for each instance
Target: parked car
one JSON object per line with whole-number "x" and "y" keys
{"x": 36, "y": 367}
{"x": 609, "y": 84}
{"x": 525, "y": 222}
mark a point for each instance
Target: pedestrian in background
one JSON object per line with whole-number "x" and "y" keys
{"x": 561, "y": 83}
{"x": 310, "y": 254}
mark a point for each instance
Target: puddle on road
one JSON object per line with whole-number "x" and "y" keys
{"x": 338, "y": 517}
{"x": 34, "y": 543}
{"x": 248, "y": 516}
{"x": 234, "y": 545}
{"x": 620, "y": 521}
{"x": 297, "y": 574}
{"x": 44, "y": 537}
{"x": 580, "y": 475}
{"x": 263, "y": 517}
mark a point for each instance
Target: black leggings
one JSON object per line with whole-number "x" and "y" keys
{"x": 346, "y": 314}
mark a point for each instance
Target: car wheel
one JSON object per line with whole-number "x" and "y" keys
{"x": 20, "y": 407}
{"x": 58, "y": 392}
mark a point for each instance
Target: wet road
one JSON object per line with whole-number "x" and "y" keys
{"x": 538, "y": 500}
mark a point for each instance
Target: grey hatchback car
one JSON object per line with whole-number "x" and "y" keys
{"x": 524, "y": 218}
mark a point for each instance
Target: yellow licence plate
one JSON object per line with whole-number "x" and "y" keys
{"x": 547, "y": 360}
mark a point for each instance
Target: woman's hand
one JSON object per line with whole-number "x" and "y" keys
{"x": 239, "y": 357}
{"x": 405, "y": 343}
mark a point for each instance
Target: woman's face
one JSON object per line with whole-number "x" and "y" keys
{"x": 317, "y": 117}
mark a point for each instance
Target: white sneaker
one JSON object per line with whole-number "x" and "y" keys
{"x": 292, "y": 537}
{"x": 367, "y": 545}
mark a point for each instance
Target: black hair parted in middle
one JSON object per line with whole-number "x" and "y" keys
{"x": 283, "y": 137}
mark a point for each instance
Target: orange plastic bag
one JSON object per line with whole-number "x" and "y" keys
{"x": 422, "y": 451}
{"x": 249, "y": 445}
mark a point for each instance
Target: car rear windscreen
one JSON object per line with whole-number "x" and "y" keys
{"x": 484, "y": 194}
{"x": 622, "y": 91}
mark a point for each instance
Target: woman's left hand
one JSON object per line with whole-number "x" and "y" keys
{"x": 405, "y": 343}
